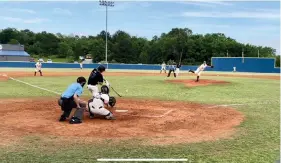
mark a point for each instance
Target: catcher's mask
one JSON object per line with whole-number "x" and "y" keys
{"x": 112, "y": 101}
{"x": 104, "y": 89}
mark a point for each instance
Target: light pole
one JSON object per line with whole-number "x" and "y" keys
{"x": 106, "y": 4}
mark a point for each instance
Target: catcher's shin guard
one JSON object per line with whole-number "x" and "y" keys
{"x": 77, "y": 117}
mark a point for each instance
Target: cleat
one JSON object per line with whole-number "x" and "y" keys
{"x": 75, "y": 120}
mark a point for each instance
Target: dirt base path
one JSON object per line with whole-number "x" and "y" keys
{"x": 155, "y": 122}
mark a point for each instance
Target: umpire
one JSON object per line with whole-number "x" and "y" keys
{"x": 70, "y": 99}
{"x": 172, "y": 67}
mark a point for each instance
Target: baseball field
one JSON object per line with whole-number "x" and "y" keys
{"x": 225, "y": 117}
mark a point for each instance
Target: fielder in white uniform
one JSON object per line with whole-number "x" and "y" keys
{"x": 200, "y": 69}
{"x": 38, "y": 67}
{"x": 96, "y": 105}
{"x": 163, "y": 67}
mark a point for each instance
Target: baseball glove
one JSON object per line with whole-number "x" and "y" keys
{"x": 212, "y": 66}
{"x": 112, "y": 101}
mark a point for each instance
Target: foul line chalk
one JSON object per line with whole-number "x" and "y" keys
{"x": 225, "y": 105}
{"x": 31, "y": 84}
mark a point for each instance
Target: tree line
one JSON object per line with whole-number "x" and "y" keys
{"x": 178, "y": 44}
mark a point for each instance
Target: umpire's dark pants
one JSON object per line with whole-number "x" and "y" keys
{"x": 67, "y": 104}
{"x": 170, "y": 71}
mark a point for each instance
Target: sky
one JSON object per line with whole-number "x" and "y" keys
{"x": 257, "y": 23}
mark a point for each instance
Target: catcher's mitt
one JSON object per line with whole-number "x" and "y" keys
{"x": 112, "y": 101}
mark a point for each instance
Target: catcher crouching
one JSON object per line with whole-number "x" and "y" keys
{"x": 96, "y": 106}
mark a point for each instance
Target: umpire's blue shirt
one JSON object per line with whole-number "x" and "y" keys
{"x": 74, "y": 88}
{"x": 172, "y": 67}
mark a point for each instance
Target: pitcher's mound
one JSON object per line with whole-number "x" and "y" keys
{"x": 202, "y": 82}
{"x": 154, "y": 122}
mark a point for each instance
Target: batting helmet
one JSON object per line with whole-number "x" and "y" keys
{"x": 101, "y": 68}
{"x": 104, "y": 89}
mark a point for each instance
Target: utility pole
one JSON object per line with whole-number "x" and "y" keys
{"x": 106, "y": 4}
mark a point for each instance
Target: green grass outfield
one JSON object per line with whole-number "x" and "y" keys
{"x": 257, "y": 139}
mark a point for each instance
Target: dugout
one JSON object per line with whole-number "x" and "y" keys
{"x": 9, "y": 52}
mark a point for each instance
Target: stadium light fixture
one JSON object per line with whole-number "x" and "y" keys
{"x": 106, "y": 4}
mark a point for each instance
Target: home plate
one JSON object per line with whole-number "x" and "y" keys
{"x": 121, "y": 111}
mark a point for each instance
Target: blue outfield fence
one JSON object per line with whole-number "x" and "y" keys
{"x": 258, "y": 65}
{"x": 94, "y": 65}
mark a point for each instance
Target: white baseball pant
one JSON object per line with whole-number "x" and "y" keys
{"x": 177, "y": 71}
{"x": 37, "y": 69}
{"x": 93, "y": 89}
{"x": 198, "y": 72}
{"x": 96, "y": 107}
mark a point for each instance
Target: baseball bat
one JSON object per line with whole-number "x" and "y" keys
{"x": 115, "y": 91}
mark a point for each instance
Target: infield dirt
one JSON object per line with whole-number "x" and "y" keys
{"x": 145, "y": 120}
{"x": 152, "y": 121}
